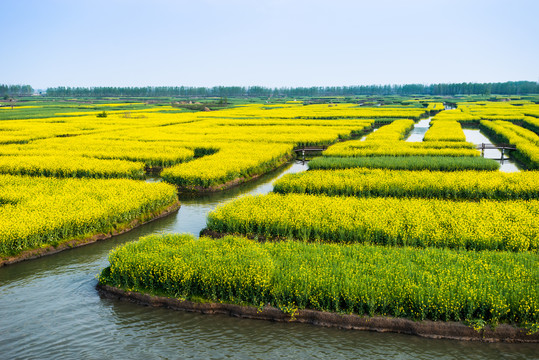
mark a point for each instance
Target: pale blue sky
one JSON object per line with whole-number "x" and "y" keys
{"x": 271, "y": 43}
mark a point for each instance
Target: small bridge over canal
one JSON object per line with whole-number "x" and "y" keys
{"x": 307, "y": 149}
{"x": 301, "y": 151}
{"x": 483, "y": 146}
{"x": 501, "y": 147}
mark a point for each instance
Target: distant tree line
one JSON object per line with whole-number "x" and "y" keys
{"x": 505, "y": 88}
{"x": 16, "y": 90}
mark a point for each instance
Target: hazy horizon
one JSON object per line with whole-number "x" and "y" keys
{"x": 272, "y": 44}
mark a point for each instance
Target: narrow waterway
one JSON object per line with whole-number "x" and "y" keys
{"x": 475, "y": 136}
{"x": 50, "y": 309}
{"x": 418, "y": 132}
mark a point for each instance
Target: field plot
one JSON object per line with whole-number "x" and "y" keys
{"x": 435, "y": 163}
{"x": 425, "y": 184}
{"x": 435, "y": 284}
{"x": 526, "y": 141}
{"x": 386, "y": 221}
{"x": 200, "y": 151}
{"x": 512, "y": 122}
{"x": 37, "y": 212}
{"x": 445, "y": 131}
{"x": 472, "y": 112}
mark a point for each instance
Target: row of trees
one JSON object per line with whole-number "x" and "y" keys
{"x": 16, "y": 90}
{"x": 505, "y": 88}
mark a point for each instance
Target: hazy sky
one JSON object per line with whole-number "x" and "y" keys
{"x": 269, "y": 43}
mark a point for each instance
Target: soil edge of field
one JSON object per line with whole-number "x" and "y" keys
{"x": 425, "y": 328}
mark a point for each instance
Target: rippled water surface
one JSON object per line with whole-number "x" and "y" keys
{"x": 50, "y": 309}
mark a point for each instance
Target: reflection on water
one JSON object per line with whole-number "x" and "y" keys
{"x": 418, "y": 132}
{"x": 475, "y": 136}
{"x": 50, "y": 309}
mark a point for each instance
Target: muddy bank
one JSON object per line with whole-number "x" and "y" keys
{"x": 77, "y": 242}
{"x": 426, "y": 328}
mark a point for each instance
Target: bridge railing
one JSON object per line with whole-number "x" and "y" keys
{"x": 486, "y": 146}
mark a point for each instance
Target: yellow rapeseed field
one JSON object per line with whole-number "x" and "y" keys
{"x": 42, "y": 211}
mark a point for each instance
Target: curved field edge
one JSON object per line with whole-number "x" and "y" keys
{"x": 425, "y": 328}
{"x": 230, "y": 182}
{"x": 476, "y": 288}
{"x": 46, "y": 211}
{"x": 86, "y": 239}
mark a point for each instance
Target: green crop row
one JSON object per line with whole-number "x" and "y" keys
{"x": 435, "y": 284}
{"x": 393, "y": 147}
{"x": 439, "y": 163}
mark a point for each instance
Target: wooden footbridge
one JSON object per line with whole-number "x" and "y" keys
{"x": 305, "y": 149}
{"x": 309, "y": 149}
{"x": 501, "y": 147}
{"x": 483, "y": 146}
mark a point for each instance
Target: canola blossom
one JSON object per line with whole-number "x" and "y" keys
{"x": 483, "y": 225}
{"x": 363, "y": 182}
{"x": 401, "y": 148}
{"x": 93, "y": 147}
{"x": 387, "y": 141}
{"x": 395, "y": 131}
{"x": 435, "y": 106}
{"x": 526, "y": 141}
{"x": 436, "y": 284}
{"x": 456, "y": 115}
{"x": 445, "y": 131}
{"x": 531, "y": 122}
{"x": 317, "y": 111}
{"x": 77, "y": 166}
{"x": 231, "y": 163}
{"x": 519, "y": 111}
{"x": 196, "y": 150}
{"x": 40, "y": 211}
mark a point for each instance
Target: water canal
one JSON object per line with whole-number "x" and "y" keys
{"x": 50, "y": 309}
{"x": 418, "y": 132}
{"x": 474, "y": 136}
